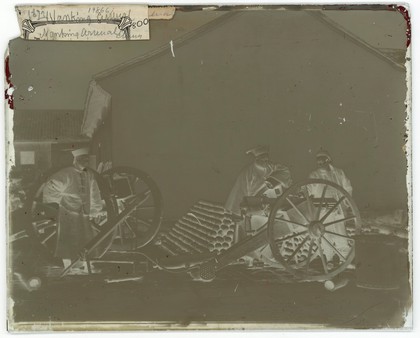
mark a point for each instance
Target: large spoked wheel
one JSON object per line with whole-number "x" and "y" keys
{"x": 129, "y": 186}
{"x": 42, "y": 218}
{"x": 310, "y": 229}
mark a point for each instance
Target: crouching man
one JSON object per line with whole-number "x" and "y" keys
{"x": 261, "y": 177}
{"x": 253, "y": 180}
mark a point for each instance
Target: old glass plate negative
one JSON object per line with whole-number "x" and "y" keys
{"x": 209, "y": 167}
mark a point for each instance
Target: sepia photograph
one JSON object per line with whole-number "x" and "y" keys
{"x": 209, "y": 167}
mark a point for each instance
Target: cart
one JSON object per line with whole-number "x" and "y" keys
{"x": 308, "y": 231}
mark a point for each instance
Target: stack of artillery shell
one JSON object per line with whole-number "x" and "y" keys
{"x": 288, "y": 246}
{"x": 351, "y": 230}
{"x": 206, "y": 227}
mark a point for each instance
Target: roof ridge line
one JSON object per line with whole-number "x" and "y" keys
{"x": 162, "y": 49}
{"x": 356, "y": 40}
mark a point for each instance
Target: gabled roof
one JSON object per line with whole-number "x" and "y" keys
{"x": 180, "y": 41}
{"x": 47, "y": 125}
{"x": 394, "y": 57}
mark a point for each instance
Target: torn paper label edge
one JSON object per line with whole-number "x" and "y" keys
{"x": 93, "y": 22}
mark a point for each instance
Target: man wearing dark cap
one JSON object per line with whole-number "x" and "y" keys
{"x": 253, "y": 179}
{"x": 326, "y": 171}
{"x": 77, "y": 194}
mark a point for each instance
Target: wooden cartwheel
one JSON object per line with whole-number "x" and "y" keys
{"x": 309, "y": 228}
{"x": 131, "y": 216}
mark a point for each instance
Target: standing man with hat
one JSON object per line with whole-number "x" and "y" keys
{"x": 76, "y": 192}
{"x": 253, "y": 178}
{"x": 326, "y": 171}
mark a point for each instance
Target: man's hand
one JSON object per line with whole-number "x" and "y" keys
{"x": 99, "y": 217}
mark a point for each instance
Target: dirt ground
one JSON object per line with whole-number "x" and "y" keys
{"x": 242, "y": 296}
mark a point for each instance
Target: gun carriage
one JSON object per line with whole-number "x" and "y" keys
{"x": 307, "y": 231}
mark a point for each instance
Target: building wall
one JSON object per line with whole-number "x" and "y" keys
{"x": 61, "y": 155}
{"x": 47, "y": 155}
{"x": 286, "y": 80}
{"x": 78, "y": 61}
{"x": 101, "y": 143}
{"x": 42, "y": 155}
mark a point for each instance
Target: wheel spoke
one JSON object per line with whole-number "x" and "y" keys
{"x": 291, "y": 222}
{"x": 290, "y": 236}
{"x": 297, "y": 210}
{"x": 310, "y": 204}
{"x": 45, "y": 240}
{"x": 318, "y": 211}
{"x": 334, "y": 248}
{"x": 340, "y": 220}
{"x": 146, "y": 207}
{"x": 308, "y": 260}
{"x": 139, "y": 203}
{"x": 143, "y": 222}
{"x": 321, "y": 253}
{"x": 146, "y": 195}
{"x": 336, "y": 234}
{"x": 130, "y": 228}
{"x": 297, "y": 249}
{"x": 120, "y": 234}
{"x": 332, "y": 209}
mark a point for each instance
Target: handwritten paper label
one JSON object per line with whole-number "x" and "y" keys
{"x": 161, "y": 13}
{"x": 84, "y": 22}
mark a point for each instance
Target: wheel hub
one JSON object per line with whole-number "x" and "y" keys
{"x": 316, "y": 229}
